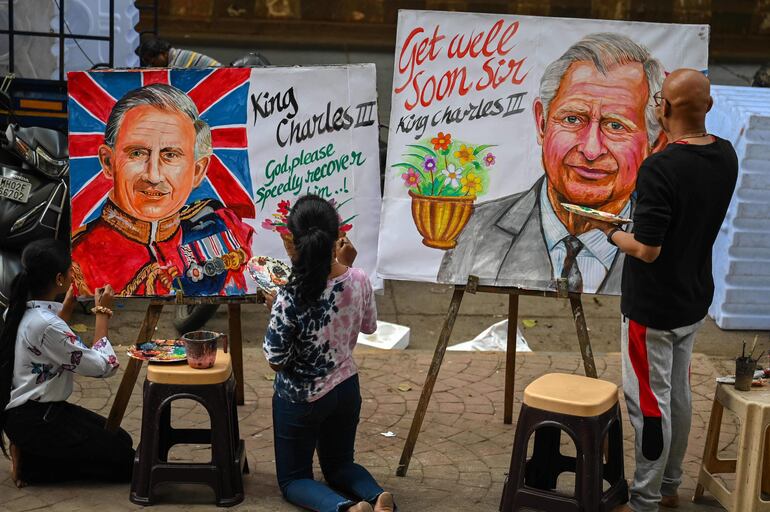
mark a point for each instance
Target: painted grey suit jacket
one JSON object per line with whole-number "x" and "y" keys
{"x": 503, "y": 245}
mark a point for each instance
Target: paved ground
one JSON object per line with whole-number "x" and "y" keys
{"x": 460, "y": 460}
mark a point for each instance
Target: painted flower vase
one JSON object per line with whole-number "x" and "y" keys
{"x": 441, "y": 219}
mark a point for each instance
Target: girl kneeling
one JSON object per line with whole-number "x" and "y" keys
{"x": 53, "y": 440}
{"x": 313, "y": 329}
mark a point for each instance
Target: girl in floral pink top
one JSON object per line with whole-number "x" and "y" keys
{"x": 315, "y": 322}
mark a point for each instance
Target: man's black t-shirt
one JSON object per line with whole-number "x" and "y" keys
{"x": 682, "y": 195}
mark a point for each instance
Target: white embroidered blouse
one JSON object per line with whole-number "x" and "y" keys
{"x": 48, "y": 354}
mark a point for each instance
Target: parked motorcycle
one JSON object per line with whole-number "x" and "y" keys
{"x": 34, "y": 193}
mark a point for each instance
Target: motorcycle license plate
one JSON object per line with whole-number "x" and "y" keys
{"x": 15, "y": 190}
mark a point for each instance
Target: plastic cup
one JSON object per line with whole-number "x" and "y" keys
{"x": 201, "y": 348}
{"x": 744, "y": 373}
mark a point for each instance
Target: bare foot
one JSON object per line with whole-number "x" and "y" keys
{"x": 361, "y": 507}
{"x": 384, "y": 503}
{"x": 16, "y": 466}
{"x": 670, "y": 501}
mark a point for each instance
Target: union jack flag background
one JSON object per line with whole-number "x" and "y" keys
{"x": 221, "y": 96}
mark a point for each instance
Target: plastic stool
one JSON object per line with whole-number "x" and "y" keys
{"x": 213, "y": 388}
{"x": 588, "y": 411}
{"x": 752, "y": 477}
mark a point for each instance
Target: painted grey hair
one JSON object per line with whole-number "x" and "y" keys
{"x": 164, "y": 97}
{"x": 605, "y": 51}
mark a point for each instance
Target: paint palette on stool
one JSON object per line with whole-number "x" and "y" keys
{"x": 160, "y": 351}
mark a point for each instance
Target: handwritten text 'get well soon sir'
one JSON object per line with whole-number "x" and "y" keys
{"x": 434, "y": 66}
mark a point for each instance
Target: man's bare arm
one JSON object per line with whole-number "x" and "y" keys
{"x": 628, "y": 244}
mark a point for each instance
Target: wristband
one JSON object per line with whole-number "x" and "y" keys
{"x": 612, "y": 232}
{"x": 101, "y": 310}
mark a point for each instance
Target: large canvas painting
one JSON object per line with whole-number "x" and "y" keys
{"x": 497, "y": 121}
{"x": 179, "y": 177}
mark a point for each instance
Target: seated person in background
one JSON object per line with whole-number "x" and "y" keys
{"x": 314, "y": 325}
{"x": 158, "y": 53}
{"x": 52, "y": 440}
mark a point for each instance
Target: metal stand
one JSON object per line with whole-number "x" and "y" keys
{"x": 147, "y": 329}
{"x": 510, "y": 356}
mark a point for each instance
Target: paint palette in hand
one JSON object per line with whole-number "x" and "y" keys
{"x": 595, "y": 214}
{"x": 159, "y": 351}
{"x": 269, "y": 273}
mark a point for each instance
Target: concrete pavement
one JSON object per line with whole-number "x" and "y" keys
{"x": 461, "y": 458}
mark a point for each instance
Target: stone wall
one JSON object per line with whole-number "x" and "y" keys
{"x": 740, "y": 28}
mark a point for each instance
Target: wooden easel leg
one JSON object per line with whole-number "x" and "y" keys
{"x": 236, "y": 348}
{"x": 582, "y": 333}
{"x": 430, "y": 381}
{"x": 510, "y": 357}
{"x": 146, "y": 331}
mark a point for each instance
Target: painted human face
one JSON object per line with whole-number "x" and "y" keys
{"x": 595, "y": 135}
{"x": 152, "y": 165}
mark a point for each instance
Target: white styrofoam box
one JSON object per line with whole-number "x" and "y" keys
{"x": 748, "y": 281}
{"x": 742, "y": 321}
{"x": 38, "y": 57}
{"x": 747, "y": 267}
{"x": 32, "y": 57}
{"x": 388, "y": 336}
{"x": 741, "y": 255}
{"x": 93, "y": 17}
{"x": 742, "y": 295}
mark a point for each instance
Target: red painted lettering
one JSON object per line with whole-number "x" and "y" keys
{"x": 510, "y": 31}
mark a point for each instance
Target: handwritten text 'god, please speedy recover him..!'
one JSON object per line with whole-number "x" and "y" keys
{"x": 284, "y": 178}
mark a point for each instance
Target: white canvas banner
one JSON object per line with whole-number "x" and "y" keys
{"x": 496, "y": 120}
{"x": 315, "y": 131}
{"x": 180, "y": 177}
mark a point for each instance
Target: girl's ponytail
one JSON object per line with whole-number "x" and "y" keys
{"x": 42, "y": 261}
{"x": 17, "y": 304}
{"x": 314, "y": 225}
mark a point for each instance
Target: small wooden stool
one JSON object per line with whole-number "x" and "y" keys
{"x": 588, "y": 411}
{"x": 752, "y": 474}
{"x": 213, "y": 388}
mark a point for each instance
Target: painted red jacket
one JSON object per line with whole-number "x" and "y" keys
{"x": 202, "y": 250}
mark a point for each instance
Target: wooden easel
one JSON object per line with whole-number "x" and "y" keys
{"x": 147, "y": 330}
{"x": 510, "y": 355}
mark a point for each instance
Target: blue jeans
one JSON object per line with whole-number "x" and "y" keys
{"x": 329, "y": 425}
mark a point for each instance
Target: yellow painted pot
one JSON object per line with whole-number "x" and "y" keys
{"x": 441, "y": 219}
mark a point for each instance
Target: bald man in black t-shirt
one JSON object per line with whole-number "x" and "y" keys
{"x": 683, "y": 194}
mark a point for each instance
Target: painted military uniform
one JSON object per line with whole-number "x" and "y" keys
{"x": 201, "y": 250}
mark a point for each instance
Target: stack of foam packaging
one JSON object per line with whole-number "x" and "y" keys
{"x": 742, "y": 250}
{"x": 38, "y": 57}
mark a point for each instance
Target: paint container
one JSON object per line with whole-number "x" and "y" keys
{"x": 744, "y": 373}
{"x": 201, "y": 348}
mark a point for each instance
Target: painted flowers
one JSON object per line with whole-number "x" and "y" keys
{"x": 280, "y": 216}
{"x": 279, "y": 221}
{"x": 443, "y": 167}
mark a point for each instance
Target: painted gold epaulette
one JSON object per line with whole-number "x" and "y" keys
{"x": 191, "y": 210}
{"x": 79, "y": 231}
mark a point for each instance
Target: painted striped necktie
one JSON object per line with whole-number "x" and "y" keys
{"x": 570, "y": 270}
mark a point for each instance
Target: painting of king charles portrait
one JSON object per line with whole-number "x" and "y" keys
{"x": 159, "y": 189}
{"x": 485, "y": 180}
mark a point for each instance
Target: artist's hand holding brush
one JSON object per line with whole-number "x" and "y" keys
{"x": 345, "y": 251}
{"x": 102, "y": 310}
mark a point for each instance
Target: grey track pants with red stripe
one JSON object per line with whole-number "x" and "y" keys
{"x": 656, "y": 382}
